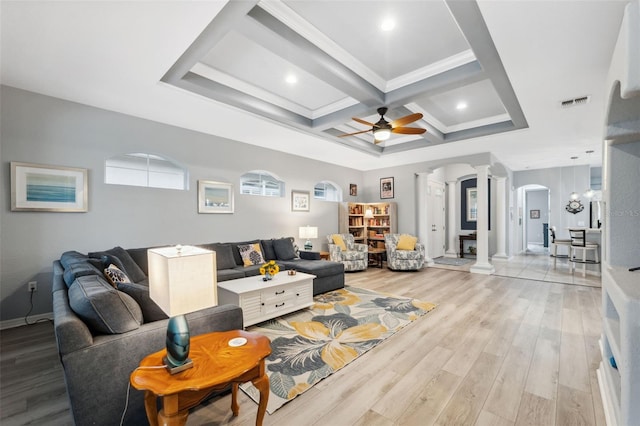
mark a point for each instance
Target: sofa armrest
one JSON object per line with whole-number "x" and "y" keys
{"x": 310, "y": 255}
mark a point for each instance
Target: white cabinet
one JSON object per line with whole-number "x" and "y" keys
{"x": 264, "y": 300}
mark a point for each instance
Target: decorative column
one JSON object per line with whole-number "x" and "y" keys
{"x": 422, "y": 214}
{"x": 451, "y": 220}
{"x": 501, "y": 222}
{"x": 482, "y": 265}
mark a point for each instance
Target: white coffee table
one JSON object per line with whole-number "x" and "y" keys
{"x": 264, "y": 300}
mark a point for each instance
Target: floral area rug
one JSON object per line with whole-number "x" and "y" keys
{"x": 311, "y": 344}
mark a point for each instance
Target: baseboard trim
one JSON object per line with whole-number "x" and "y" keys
{"x": 18, "y": 322}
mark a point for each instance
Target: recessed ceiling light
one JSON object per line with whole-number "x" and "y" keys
{"x": 388, "y": 24}
{"x": 291, "y": 79}
{"x": 461, "y": 105}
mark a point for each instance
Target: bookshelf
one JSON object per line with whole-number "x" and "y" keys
{"x": 368, "y": 230}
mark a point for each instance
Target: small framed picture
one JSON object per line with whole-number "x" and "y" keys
{"x": 386, "y": 187}
{"x": 215, "y": 197}
{"x": 353, "y": 189}
{"x": 37, "y": 187}
{"x": 299, "y": 201}
{"x": 534, "y": 214}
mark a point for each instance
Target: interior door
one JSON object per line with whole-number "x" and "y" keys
{"x": 435, "y": 198}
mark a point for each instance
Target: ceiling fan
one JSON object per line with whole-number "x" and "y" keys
{"x": 383, "y": 128}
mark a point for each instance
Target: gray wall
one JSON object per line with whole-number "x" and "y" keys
{"x": 45, "y": 130}
{"x": 536, "y": 200}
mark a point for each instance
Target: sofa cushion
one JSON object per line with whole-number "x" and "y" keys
{"x": 251, "y": 254}
{"x": 69, "y": 257}
{"x": 268, "y": 252}
{"x": 318, "y": 268}
{"x": 284, "y": 249}
{"x": 230, "y": 274}
{"x": 139, "y": 255}
{"x": 79, "y": 269}
{"x": 140, "y": 293}
{"x": 249, "y": 271}
{"x": 127, "y": 264}
{"x": 104, "y": 309}
{"x": 224, "y": 255}
{"x": 114, "y": 275}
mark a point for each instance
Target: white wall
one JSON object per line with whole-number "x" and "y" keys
{"x": 561, "y": 181}
{"x": 536, "y": 200}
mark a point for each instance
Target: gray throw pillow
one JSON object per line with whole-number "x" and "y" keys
{"x": 140, "y": 293}
{"x": 104, "y": 309}
{"x": 284, "y": 249}
{"x": 224, "y": 257}
{"x": 267, "y": 250}
{"x": 124, "y": 262}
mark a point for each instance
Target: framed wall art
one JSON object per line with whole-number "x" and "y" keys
{"x": 215, "y": 197}
{"x": 37, "y": 187}
{"x": 299, "y": 201}
{"x": 386, "y": 187}
{"x": 353, "y": 189}
{"x": 534, "y": 214}
{"x": 469, "y": 204}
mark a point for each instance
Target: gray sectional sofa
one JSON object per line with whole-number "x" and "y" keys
{"x": 104, "y": 331}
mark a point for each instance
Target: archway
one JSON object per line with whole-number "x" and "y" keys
{"x": 534, "y": 203}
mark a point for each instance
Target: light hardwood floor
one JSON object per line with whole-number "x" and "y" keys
{"x": 496, "y": 351}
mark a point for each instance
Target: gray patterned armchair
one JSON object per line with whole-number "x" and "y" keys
{"x": 355, "y": 258}
{"x": 403, "y": 260}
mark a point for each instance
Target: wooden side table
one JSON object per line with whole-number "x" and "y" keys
{"x": 375, "y": 254}
{"x": 216, "y": 364}
{"x": 324, "y": 255}
{"x": 469, "y": 237}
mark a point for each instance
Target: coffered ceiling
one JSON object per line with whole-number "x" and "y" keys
{"x": 222, "y": 68}
{"x": 314, "y": 65}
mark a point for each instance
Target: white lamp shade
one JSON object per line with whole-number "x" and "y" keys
{"x": 182, "y": 281}
{"x": 368, "y": 214}
{"x": 308, "y": 232}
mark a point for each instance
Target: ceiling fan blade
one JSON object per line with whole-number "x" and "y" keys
{"x": 408, "y": 130}
{"x": 406, "y": 119}
{"x": 366, "y": 123}
{"x": 356, "y": 133}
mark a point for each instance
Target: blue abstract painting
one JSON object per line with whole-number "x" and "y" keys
{"x": 51, "y": 188}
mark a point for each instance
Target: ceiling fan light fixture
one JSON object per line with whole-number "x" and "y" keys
{"x": 381, "y": 134}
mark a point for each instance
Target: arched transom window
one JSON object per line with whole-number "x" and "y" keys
{"x": 261, "y": 182}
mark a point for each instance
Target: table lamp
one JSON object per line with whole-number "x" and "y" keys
{"x": 308, "y": 232}
{"x": 181, "y": 280}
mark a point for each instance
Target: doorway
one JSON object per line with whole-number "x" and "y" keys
{"x": 436, "y": 214}
{"x": 536, "y": 219}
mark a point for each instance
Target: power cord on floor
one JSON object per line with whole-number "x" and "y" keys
{"x": 26, "y": 317}
{"x": 126, "y": 403}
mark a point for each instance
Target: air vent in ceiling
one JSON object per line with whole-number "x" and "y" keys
{"x": 575, "y": 102}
